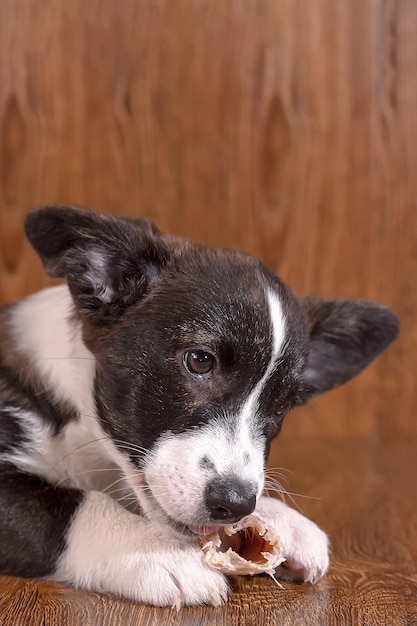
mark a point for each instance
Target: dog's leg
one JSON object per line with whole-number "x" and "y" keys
{"x": 305, "y": 545}
{"x": 89, "y": 540}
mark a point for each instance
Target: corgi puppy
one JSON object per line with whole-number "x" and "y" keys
{"x": 138, "y": 402}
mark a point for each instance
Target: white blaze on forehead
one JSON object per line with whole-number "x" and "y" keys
{"x": 278, "y": 325}
{"x": 278, "y": 339}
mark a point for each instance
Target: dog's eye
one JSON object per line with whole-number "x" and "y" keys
{"x": 199, "y": 362}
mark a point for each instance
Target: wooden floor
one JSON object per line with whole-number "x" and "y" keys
{"x": 364, "y": 495}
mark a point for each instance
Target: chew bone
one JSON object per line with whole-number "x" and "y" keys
{"x": 248, "y": 547}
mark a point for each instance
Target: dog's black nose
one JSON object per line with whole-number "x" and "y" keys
{"x": 229, "y": 500}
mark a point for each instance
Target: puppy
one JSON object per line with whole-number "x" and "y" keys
{"x": 138, "y": 404}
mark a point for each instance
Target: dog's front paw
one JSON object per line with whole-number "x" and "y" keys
{"x": 167, "y": 576}
{"x": 110, "y": 549}
{"x": 304, "y": 545}
{"x": 306, "y": 548}
{"x": 180, "y": 578}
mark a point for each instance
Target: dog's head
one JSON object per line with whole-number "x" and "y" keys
{"x": 200, "y": 354}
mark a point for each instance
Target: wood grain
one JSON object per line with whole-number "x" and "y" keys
{"x": 288, "y": 129}
{"x": 362, "y": 494}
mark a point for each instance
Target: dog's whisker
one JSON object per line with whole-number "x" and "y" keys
{"x": 139, "y": 453}
{"x": 282, "y": 493}
{"x": 277, "y": 477}
{"x": 276, "y": 473}
{"x": 275, "y": 487}
{"x": 92, "y": 470}
{"x": 280, "y": 470}
{"x": 95, "y": 442}
{"x": 118, "y": 490}
{"x": 131, "y": 446}
{"x": 125, "y": 478}
{"x": 291, "y": 493}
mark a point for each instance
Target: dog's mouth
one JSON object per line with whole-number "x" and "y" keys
{"x": 192, "y": 530}
{"x": 203, "y": 531}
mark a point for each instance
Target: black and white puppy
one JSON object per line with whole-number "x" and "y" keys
{"x": 138, "y": 403}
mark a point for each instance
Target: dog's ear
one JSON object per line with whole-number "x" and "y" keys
{"x": 106, "y": 260}
{"x": 345, "y": 336}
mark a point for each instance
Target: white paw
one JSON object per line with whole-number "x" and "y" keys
{"x": 305, "y": 545}
{"x": 179, "y": 578}
{"x": 170, "y": 575}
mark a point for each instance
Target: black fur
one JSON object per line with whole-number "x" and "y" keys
{"x": 33, "y": 522}
{"x": 12, "y": 434}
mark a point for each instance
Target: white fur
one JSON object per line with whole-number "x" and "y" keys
{"x": 278, "y": 326}
{"x": 44, "y": 329}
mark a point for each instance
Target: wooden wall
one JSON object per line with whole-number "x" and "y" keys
{"x": 288, "y": 129}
